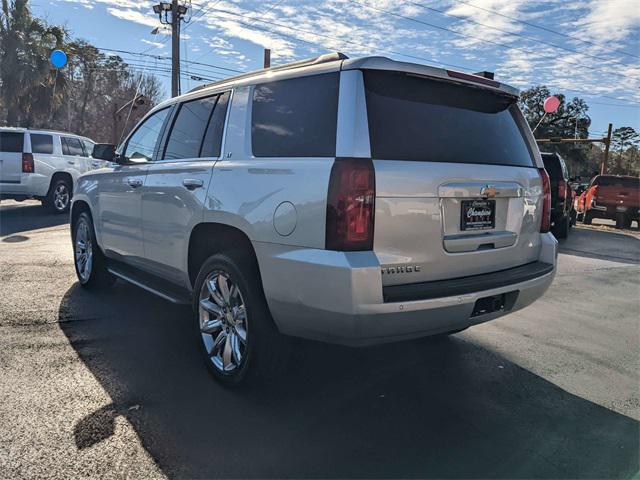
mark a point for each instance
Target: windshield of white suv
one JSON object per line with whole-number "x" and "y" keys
{"x": 414, "y": 118}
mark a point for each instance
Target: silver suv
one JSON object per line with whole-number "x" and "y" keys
{"x": 355, "y": 201}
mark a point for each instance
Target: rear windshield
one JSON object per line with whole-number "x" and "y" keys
{"x": 413, "y": 118}
{"x": 625, "y": 182}
{"x": 552, "y": 165}
{"x": 11, "y": 142}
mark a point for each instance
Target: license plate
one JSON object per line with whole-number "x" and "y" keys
{"x": 478, "y": 215}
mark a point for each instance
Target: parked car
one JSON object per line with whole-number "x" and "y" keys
{"x": 561, "y": 194}
{"x": 612, "y": 197}
{"x": 330, "y": 199}
{"x": 44, "y": 165}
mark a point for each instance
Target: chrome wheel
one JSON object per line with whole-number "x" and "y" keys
{"x": 83, "y": 250}
{"x": 223, "y": 322}
{"x": 61, "y": 196}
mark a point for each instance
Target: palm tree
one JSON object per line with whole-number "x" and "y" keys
{"x": 26, "y": 77}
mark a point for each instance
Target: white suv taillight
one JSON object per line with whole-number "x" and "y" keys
{"x": 545, "y": 226}
{"x": 351, "y": 205}
{"x": 27, "y": 163}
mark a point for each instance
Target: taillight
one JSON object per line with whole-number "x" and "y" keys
{"x": 351, "y": 205}
{"x": 545, "y": 226}
{"x": 562, "y": 189}
{"x": 27, "y": 163}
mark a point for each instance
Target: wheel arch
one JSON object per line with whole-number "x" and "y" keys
{"x": 209, "y": 238}
{"x": 64, "y": 175}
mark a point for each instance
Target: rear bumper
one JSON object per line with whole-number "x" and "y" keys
{"x": 612, "y": 211}
{"x": 338, "y": 297}
{"x": 31, "y": 185}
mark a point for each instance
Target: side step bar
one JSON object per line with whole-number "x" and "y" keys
{"x": 150, "y": 283}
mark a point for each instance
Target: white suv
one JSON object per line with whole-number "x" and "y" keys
{"x": 44, "y": 165}
{"x": 355, "y": 201}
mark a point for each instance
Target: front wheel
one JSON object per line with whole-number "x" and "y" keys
{"x": 586, "y": 218}
{"x": 89, "y": 261}
{"x": 236, "y": 333}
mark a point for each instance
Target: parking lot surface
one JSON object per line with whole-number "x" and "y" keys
{"x": 110, "y": 384}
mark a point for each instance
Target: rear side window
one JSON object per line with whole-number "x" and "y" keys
{"x": 11, "y": 142}
{"x": 72, "y": 146}
{"x": 197, "y": 128}
{"x": 41, "y": 143}
{"x": 212, "y": 144}
{"x": 296, "y": 117}
{"x": 415, "y": 118}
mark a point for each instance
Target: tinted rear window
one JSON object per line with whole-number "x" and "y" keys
{"x": 296, "y": 117}
{"x": 11, "y": 142}
{"x": 213, "y": 137}
{"x": 413, "y": 118}
{"x": 552, "y": 166}
{"x": 625, "y": 182}
{"x": 41, "y": 143}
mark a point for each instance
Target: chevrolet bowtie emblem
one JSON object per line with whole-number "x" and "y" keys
{"x": 488, "y": 191}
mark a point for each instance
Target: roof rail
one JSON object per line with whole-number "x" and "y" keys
{"x": 327, "y": 57}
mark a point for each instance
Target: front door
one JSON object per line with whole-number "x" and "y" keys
{"x": 120, "y": 195}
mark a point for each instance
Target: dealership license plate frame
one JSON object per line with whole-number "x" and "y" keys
{"x": 484, "y": 222}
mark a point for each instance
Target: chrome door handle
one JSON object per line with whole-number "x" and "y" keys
{"x": 192, "y": 183}
{"x": 71, "y": 162}
{"x": 134, "y": 183}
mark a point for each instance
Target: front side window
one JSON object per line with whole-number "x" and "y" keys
{"x": 185, "y": 139}
{"x": 41, "y": 143}
{"x": 421, "y": 119}
{"x": 142, "y": 143}
{"x": 11, "y": 142}
{"x": 72, "y": 146}
{"x": 296, "y": 117}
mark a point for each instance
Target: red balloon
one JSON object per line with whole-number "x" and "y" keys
{"x": 551, "y": 104}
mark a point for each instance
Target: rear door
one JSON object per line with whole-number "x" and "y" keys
{"x": 11, "y": 147}
{"x": 176, "y": 184}
{"x": 458, "y": 192}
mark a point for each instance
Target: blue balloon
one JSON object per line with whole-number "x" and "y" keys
{"x": 58, "y": 58}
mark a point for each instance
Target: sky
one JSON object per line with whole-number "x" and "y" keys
{"x": 589, "y": 48}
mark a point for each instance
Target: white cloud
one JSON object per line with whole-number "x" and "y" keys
{"x": 609, "y": 21}
{"x": 153, "y": 44}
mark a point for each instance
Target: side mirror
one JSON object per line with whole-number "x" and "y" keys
{"x": 104, "y": 151}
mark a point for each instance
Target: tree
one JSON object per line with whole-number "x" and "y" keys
{"x": 624, "y": 137}
{"x": 570, "y": 120}
{"x": 82, "y": 97}
{"x": 25, "y": 73}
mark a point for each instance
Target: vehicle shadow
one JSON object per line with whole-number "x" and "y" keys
{"x": 602, "y": 244}
{"x": 25, "y": 216}
{"x": 437, "y": 408}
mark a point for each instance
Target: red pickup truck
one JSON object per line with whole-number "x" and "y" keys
{"x": 614, "y": 197}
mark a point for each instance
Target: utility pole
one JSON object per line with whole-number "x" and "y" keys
{"x": 607, "y": 143}
{"x": 267, "y": 57}
{"x": 177, "y": 11}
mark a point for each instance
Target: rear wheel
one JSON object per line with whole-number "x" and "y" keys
{"x": 236, "y": 333}
{"x": 89, "y": 261}
{"x": 622, "y": 221}
{"x": 58, "y": 198}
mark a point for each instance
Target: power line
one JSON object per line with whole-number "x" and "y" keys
{"x": 503, "y": 45}
{"x": 520, "y": 35}
{"x": 546, "y": 29}
{"x": 365, "y": 47}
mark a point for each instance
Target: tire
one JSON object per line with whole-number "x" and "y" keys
{"x": 622, "y": 221}
{"x": 586, "y": 218}
{"x": 580, "y": 217}
{"x": 58, "y": 199}
{"x": 561, "y": 230}
{"x": 229, "y": 304}
{"x": 92, "y": 272}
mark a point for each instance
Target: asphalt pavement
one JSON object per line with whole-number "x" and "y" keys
{"x": 111, "y": 385}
